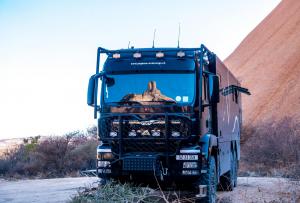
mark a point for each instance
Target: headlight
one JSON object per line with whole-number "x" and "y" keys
{"x": 155, "y": 133}
{"x": 105, "y": 155}
{"x": 175, "y": 134}
{"x": 132, "y": 133}
{"x": 113, "y": 134}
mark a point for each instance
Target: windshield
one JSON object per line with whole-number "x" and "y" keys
{"x": 144, "y": 88}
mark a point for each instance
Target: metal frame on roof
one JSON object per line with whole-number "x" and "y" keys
{"x": 202, "y": 50}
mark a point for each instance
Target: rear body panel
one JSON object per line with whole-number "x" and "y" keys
{"x": 229, "y": 116}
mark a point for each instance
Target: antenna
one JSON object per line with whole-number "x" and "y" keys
{"x": 178, "y": 35}
{"x": 128, "y": 45}
{"x": 153, "y": 38}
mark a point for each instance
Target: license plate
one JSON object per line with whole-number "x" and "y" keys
{"x": 186, "y": 157}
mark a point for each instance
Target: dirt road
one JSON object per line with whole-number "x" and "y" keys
{"x": 60, "y": 190}
{"x": 42, "y": 190}
{"x": 264, "y": 190}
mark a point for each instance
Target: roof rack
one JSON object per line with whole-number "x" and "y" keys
{"x": 132, "y": 50}
{"x": 202, "y": 49}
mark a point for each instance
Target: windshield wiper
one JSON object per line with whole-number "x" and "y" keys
{"x": 169, "y": 101}
{"x": 165, "y": 101}
{"x": 128, "y": 102}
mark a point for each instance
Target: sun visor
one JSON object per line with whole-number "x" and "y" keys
{"x": 148, "y": 64}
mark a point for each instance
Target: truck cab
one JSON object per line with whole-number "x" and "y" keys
{"x": 167, "y": 114}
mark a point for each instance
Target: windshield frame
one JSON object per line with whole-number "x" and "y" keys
{"x": 155, "y": 104}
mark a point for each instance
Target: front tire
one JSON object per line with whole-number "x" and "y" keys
{"x": 209, "y": 179}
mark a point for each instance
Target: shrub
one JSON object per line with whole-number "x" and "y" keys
{"x": 52, "y": 156}
{"x": 273, "y": 148}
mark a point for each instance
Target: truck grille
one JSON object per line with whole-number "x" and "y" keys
{"x": 156, "y": 134}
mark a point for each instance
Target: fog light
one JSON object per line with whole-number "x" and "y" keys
{"x": 132, "y": 133}
{"x": 175, "y": 134}
{"x": 113, "y": 134}
{"x": 190, "y": 165}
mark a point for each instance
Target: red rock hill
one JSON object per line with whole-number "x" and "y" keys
{"x": 268, "y": 63}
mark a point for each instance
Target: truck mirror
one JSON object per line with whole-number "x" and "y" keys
{"x": 214, "y": 88}
{"x": 91, "y": 89}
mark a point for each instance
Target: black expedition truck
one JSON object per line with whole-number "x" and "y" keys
{"x": 170, "y": 113}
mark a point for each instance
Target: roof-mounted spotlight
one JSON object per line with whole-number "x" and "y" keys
{"x": 116, "y": 56}
{"x": 180, "y": 54}
{"x": 160, "y": 54}
{"x": 137, "y": 55}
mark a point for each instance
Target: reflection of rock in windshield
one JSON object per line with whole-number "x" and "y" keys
{"x": 151, "y": 94}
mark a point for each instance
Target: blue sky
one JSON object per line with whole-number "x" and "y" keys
{"x": 48, "y": 49}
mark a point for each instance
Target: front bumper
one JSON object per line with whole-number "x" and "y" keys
{"x": 187, "y": 162}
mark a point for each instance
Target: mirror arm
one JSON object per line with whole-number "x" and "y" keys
{"x": 99, "y": 75}
{"x": 96, "y": 107}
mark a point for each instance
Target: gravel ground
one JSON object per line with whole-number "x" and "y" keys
{"x": 42, "y": 190}
{"x": 61, "y": 189}
{"x": 264, "y": 190}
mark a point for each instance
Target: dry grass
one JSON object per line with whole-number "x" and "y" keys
{"x": 249, "y": 190}
{"x": 54, "y": 156}
{"x": 127, "y": 192}
{"x": 273, "y": 149}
